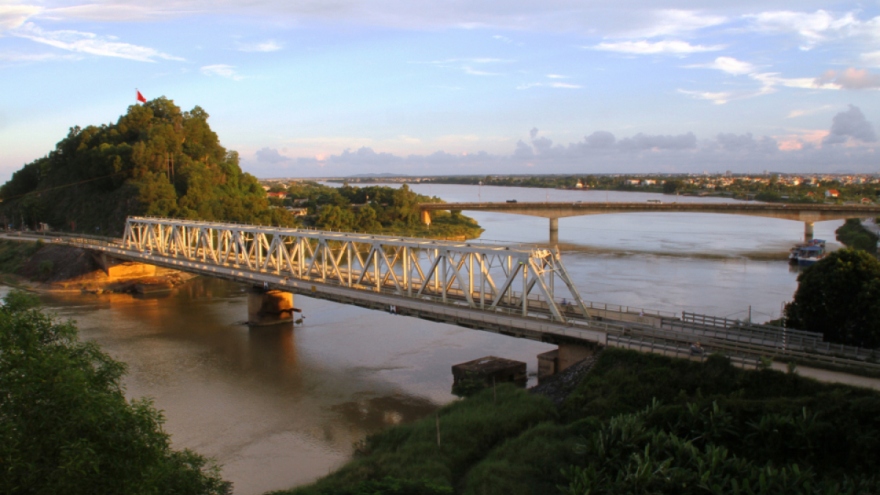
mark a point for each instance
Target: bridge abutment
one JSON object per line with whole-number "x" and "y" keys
{"x": 269, "y": 307}
{"x": 554, "y": 230}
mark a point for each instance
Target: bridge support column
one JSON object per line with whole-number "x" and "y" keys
{"x": 269, "y": 307}
{"x": 554, "y": 230}
{"x": 426, "y": 217}
{"x": 808, "y": 231}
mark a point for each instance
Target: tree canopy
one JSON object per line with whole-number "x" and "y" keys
{"x": 155, "y": 160}
{"x": 840, "y": 297}
{"x": 66, "y": 426}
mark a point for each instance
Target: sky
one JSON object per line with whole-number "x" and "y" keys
{"x": 319, "y": 88}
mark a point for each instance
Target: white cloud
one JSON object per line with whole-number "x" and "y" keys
{"x": 718, "y": 98}
{"x": 670, "y": 47}
{"x": 813, "y": 28}
{"x": 14, "y": 16}
{"x": 556, "y": 76}
{"x": 90, "y": 43}
{"x": 264, "y": 46}
{"x": 33, "y": 57}
{"x": 850, "y": 78}
{"x": 222, "y": 70}
{"x": 673, "y": 22}
{"x": 111, "y": 12}
{"x": 769, "y": 81}
{"x": 730, "y": 65}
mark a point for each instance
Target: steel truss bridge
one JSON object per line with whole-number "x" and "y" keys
{"x": 472, "y": 275}
{"x": 514, "y": 290}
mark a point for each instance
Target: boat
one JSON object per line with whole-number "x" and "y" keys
{"x": 810, "y": 252}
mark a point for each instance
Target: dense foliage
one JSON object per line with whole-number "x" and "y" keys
{"x": 639, "y": 424}
{"x": 853, "y": 234}
{"x": 378, "y": 209}
{"x": 155, "y": 160}
{"x": 66, "y": 426}
{"x": 839, "y": 296}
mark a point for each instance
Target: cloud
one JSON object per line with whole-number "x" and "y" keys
{"x": 769, "y": 81}
{"x": 718, "y": 98}
{"x": 850, "y": 78}
{"x": 222, "y": 70}
{"x": 729, "y": 65}
{"x": 264, "y": 46}
{"x": 741, "y": 143}
{"x": 600, "y": 139}
{"x": 670, "y": 47}
{"x": 92, "y": 44}
{"x": 641, "y": 142}
{"x": 850, "y": 125}
{"x": 14, "y": 16}
{"x": 270, "y": 156}
{"x": 672, "y": 22}
{"x": 602, "y": 152}
{"x": 813, "y": 28}
{"x": 111, "y": 12}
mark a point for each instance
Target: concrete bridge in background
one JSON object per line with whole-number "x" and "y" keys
{"x": 807, "y": 213}
{"x": 517, "y": 290}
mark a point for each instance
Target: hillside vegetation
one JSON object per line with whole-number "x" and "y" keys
{"x": 377, "y": 210}
{"x": 155, "y": 160}
{"x": 637, "y": 424}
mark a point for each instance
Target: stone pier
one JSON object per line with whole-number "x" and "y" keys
{"x": 269, "y": 307}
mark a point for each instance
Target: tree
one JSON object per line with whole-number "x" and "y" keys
{"x": 66, "y": 426}
{"x": 840, "y": 297}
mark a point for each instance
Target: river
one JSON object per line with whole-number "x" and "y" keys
{"x": 279, "y": 407}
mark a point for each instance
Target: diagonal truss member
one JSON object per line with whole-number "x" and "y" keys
{"x": 479, "y": 276}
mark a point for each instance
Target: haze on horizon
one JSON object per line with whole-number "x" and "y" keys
{"x": 312, "y": 88}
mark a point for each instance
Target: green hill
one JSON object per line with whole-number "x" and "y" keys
{"x": 155, "y": 160}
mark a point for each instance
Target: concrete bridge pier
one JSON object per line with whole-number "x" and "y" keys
{"x": 554, "y": 231}
{"x": 567, "y": 354}
{"x": 269, "y": 307}
{"x": 808, "y": 231}
{"x": 426, "y": 217}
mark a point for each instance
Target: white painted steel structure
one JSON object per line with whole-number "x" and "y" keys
{"x": 478, "y": 276}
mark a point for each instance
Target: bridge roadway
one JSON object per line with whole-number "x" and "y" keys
{"x": 532, "y": 317}
{"x": 807, "y": 213}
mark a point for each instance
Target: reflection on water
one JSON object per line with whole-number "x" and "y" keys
{"x": 280, "y": 406}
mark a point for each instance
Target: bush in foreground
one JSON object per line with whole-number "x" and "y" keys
{"x": 66, "y": 426}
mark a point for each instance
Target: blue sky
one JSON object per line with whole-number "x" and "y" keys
{"x": 321, "y": 88}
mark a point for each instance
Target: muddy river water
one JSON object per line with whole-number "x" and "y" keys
{"x": 279, "y": 407}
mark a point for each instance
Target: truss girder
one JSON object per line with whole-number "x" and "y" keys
{"x": 456, "y": 273}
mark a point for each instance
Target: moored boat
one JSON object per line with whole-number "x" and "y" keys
{"x": 810, "y": 253}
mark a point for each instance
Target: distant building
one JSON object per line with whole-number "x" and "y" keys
{"x": 832, "y": 193}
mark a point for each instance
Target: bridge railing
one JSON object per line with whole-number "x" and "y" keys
{"x": 807, "y": 341}
{"x": 677, "y": 349}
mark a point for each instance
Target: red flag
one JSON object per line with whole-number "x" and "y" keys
{"x": 140, "y": 97}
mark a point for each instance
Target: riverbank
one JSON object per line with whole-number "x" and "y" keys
{"x": 41, "y": 267}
